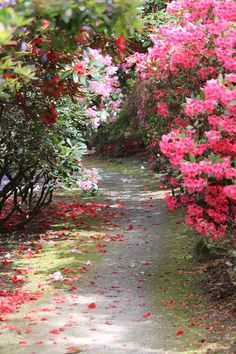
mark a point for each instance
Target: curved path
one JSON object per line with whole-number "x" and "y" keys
{"x": 126, "y": 318}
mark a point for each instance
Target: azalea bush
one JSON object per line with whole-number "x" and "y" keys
{"x": 191, "y": 69}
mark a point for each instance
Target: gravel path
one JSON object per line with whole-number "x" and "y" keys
{"x": 126, "y": 318}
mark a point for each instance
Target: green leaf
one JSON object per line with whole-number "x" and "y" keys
{"x": 212, "y": 156}
{"x": 84, "y": 81}
{"x": 221, "y": 78}
{"x": 75, "y": 77}
{"x": 233, "y": 103}
{"x": 202, "y": 95}
{"x": 65, "y": 74}
{"x": 199, "y": 22}
{"x": 192, "y": 158}
{"x": 97, "y": 63}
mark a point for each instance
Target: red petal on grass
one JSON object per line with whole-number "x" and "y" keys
{"x": 2, "y": 319}
{"x": 44, "y": 309}
{"x": 141, "y": 280}
{"x": 148, "y": 314}
{"x": 92, "y": 305}
{"x": 14, "y": 328}
{"x": 180, "y": 332}
{"x": 55, "y": 331}
{"x": 73, "y": 288}
{"x": 72, "y": 348}
{"x": 169, "y": 302}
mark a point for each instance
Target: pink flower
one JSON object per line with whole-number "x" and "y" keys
{"x": 162, "y": 109}
{"x": 230, "y": 191}
{"x": 171, "y": 202}
{"x": 85, "y": 185}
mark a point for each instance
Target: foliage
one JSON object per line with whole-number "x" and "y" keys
{"x": 127, "y": 134}
{"x": 49, "y": 76}
{"x": 192, "y": 70}
{"x": 33, "y": 156}
{"x": 152, "y": 6}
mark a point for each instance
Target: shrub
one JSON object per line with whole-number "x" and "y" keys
{"x": 192, "y": 64}
{"x": 46, "y": 82}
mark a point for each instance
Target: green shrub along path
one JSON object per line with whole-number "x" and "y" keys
{"x": 125, "y": 269}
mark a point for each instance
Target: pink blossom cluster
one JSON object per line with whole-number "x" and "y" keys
{"x": 174, "y": 146}
{"x": 230, "y": 191}
{"x": 205, "y": 167}
{"x": 171, "y": 202}
{"x": 193, "y": 62}
{"x": 102, "y": 82}
{"x": 194, "y": 107}
{"x": 89, "y": 181}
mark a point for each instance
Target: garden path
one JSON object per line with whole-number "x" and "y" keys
{"x": 126, "y": 318}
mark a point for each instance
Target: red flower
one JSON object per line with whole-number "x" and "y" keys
{"x": 9, "y": 76}
{"x": 38, "y": 40}
{"x": 80, "y": 38}
{"x": 79, "y": 68}
{"x": 51, "y": 116}
{"x": 120, "y": 43}
{"x": 56, "y": 79}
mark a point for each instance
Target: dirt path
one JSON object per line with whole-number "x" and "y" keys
{"x": 126, "y": 319}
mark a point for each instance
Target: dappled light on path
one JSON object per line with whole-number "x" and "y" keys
{"x": 113, "y": 310}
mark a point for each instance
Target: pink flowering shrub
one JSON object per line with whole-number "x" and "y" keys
{"x": 193, "y": 65}
{"x": 101, "y": 81}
